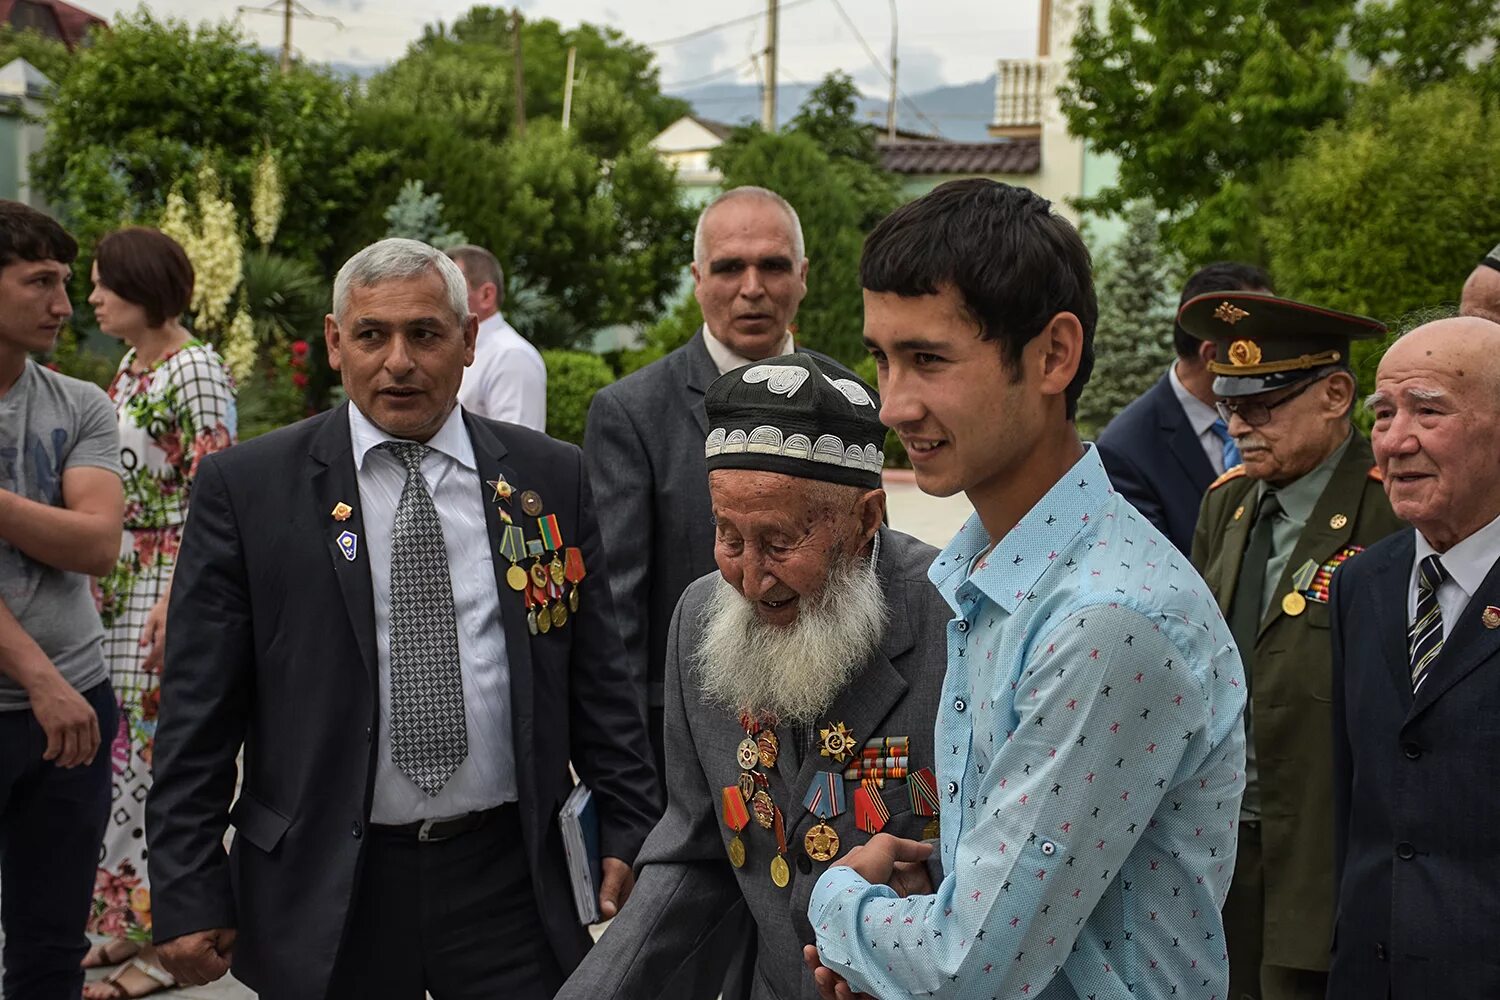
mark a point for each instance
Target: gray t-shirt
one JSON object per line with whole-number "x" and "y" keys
{"x": 50, "y": 423}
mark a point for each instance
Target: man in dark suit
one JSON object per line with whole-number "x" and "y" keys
{"x": 400, "y": 612}
{"x": 1416, "y": 685}
{"x": 1163, "y": 450}
{"x": 1272, "y": 532}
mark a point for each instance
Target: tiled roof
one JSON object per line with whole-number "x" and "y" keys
{"x": 72, "y": 22}
{"x": 1013, "y": 156}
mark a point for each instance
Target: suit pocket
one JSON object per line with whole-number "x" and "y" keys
{"x": 259, "y": 824}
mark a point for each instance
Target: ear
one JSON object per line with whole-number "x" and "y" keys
{"x": 1207, "y": 351}
{"x": 331, "y": 341}
{"x": 471, "y": 334}
{"x": 870, "y": 509}
{"x": 697, "y": 274}
{"x": 1059, "y": 350}
{"x": 1338, "y": 393}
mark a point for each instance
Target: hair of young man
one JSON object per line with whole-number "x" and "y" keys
{"x": 26, "y": 234}
{"x": 149, "y": 268}
{"x": 1220, "y": 276}
{"x": 1014, "y": 262}
{"x": 479, "y": 266}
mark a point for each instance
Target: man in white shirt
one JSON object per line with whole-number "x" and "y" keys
{"x": 508, "y": 379}
{"x": 1416, "y": 682}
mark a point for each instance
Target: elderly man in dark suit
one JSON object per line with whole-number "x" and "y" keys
{"x": 1416, "y": 660}
{"x": 400, "y": 612}
{"x": 818, "y": 624}
{"x": 1163, "y": 450}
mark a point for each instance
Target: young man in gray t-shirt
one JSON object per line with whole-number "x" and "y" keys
{"x": 61, "y": 508}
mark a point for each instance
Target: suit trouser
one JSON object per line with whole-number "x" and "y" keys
{"x": 455, "y": 918}
{"x": 1244, "y": 928}
{"x": 52, "y": 823}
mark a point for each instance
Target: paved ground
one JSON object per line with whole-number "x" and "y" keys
{"x": 932, "y": 519}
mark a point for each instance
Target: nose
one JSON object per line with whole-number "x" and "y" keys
{"x": 1400, "y": 438}
{"x": 751, "y": 285}
{"x": 756, "y": 579}
{"x": 398, "y": 358}
{"x": 1238, "y": 426}
{"x": 61, "y": 307}
{"x": 899, "y": 402}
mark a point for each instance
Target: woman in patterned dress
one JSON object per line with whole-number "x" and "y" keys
{"x": 175, "y": 403}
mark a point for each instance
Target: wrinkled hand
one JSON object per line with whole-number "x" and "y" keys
{"x": 831, "y": 985}
{"x": 199, "y": 958}
{"x": 69, "y": 722}
{"x": 618, "y": 881}
{"x": 911, "y": 878}
{"x": 876, "y": 861}
{"x": 154, "y": 637}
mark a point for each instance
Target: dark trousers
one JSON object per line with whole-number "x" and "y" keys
{"x": 51, "y": 826}
{"x": 455, "y": 918}
{"x": 1250, "y": 978}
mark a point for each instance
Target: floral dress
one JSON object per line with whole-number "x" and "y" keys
{"x": 169, "y": 417}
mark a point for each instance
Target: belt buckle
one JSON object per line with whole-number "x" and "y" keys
{"x": 424, "y": 832}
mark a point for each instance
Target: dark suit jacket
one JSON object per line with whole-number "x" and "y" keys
{"x": 686, "y": 883}
{"x": 1416, "y": 816}
{"x": 272, "y": 645}
{"x": 1156, "y": 462}
{"x": 1290, "y": 684}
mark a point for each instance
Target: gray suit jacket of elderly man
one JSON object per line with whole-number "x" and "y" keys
{"x": 686, "y": 883}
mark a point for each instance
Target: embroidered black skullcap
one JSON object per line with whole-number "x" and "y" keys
{"x": 1266, "y": 342}
{"x": 799, "y": 416}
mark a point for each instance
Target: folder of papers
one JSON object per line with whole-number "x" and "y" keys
{"x": 580, "y": 834}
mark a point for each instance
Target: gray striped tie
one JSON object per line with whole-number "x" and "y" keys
{"x": 429, "y": 735}
{"x": 1426, "y": 632}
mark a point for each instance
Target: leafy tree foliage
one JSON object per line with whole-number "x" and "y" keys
{"x": 1421, "y": 42}
{"x": 573, "y": 377}
{"x": 46, "y": 54}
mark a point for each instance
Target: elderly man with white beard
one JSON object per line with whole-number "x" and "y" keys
{"x": 802, "y": 681}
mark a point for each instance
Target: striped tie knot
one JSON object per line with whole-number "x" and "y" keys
{"x": 1431, "y": 574}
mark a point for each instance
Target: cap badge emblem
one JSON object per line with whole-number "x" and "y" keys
{"x": 1244, "y": 352}
{"x": 1229, "y": 313}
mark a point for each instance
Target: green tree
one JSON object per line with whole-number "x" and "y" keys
{"x": 1388, "y": 211}
{"x": 417, "y": 215}
{"x": 46, "y": 54}
{"x": 1133, "y": 340}
{"x": 150, "y": 100}
{"x": 1422, "y": 42}
{"x": 573, "y": 378}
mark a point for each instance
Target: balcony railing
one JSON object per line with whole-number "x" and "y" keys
{"x": 1020, "y": 89}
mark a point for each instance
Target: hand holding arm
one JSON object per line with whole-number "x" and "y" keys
{"x": 70, "y": 724}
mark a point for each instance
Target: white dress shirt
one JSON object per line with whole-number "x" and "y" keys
{"x": 1201, "y": 417}
{"x": 1467, "y": 563}
{"x": 727, "y": 360}
{"x": 508, "y": 379}
{"x": 487, "y": 777}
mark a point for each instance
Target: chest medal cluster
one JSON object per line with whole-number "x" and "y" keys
{"x": 549, "y": 585}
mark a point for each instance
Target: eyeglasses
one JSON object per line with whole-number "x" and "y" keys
{"x": 1256, "y": 413}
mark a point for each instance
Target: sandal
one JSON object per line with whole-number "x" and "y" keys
{"x": 136, "y": 978}
{"x": 111, "y": 952}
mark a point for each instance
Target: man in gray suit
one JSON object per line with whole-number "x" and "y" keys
{"x": 644, "y": 440}
{"x": 802, "y": 680}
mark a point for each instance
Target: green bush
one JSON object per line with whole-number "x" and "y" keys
{"x": 572, "y": 379}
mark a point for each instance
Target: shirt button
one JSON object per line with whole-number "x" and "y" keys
{"x": 356, "y": 831}
{"x": 960, "y": 705}
{"x": 1049, "y": 848}
{"x": 952, "y": 788}
{"x": 1412, "y": 750}
{"x": 963, "y": 626}
{"x": 1405, "y": 851}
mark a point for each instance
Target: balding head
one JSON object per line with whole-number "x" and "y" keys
{"x": 1437, "y": 421}
{"x": 1482, "y": 294}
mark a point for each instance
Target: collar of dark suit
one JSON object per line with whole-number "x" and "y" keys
{"x": 698, "y": 368}
{"x": 332, "y": 444}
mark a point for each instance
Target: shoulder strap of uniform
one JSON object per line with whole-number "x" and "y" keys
{"x": 1232, "y": 473}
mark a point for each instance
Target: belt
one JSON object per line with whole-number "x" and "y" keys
{"x": 432, "y": 830}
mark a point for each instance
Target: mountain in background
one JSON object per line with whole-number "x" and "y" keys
{"x": 961, "y": 112}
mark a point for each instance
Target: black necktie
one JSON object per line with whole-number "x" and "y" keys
{"x": 1426, "y": 632}
{"x": 1244, "y": 611}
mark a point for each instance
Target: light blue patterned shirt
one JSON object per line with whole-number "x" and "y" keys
{"x": 1090, "y": 761}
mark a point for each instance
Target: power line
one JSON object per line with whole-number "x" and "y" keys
{"x": 875, "y": 61}
{"x": 708, "y": 77}
{"x": 759, "y": 16}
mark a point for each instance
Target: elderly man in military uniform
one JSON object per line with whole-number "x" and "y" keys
{"x": 1271, "y": 534}
{"x": 802, "y": 681}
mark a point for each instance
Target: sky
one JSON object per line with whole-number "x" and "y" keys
{"x": 940, "y": 41}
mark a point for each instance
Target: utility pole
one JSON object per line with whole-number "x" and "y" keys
{"x": 286, "y": 37}
{"x": 515, "y": 25}
{"x": 288, "y": 10}
{"x": 890, "y": 107}
{"x": 768, "y": 96}
{"x": 568, "y": 88}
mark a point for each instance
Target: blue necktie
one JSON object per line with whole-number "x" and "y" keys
{"x": 1231, "y": 450}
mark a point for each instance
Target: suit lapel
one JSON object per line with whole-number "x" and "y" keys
{"x": 1388, "y": 592}
{"x": 1468, "y": 645}
{"x": 1319, "y": 538}
{"x": 334, "y": 482}
{"x": 489, "y": 457}
{"x": 699, "y": 371}
{"x": 1182, "y": 442}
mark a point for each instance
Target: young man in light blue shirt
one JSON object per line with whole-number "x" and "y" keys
{"x": 1089, "y": 741}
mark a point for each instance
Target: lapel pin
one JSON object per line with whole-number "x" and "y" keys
{"x": 341, "y": 511}
{"x": 349, "y": 544}
{"x": 1239, "y": 512}
{"x": 531, "y": 503}
{"x": 501, "y": 487}
{"x": 1491, "y": 617}
{"x": 1337, "y": 521}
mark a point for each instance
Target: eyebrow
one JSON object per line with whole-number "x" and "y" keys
{"x": 724, "y": 263}
{"x": 1380, "y": 397}
{"x": 912, "y": 345}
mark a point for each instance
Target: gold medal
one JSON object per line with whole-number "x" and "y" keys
{"x": 746, "y": 783}
{"x": 515, "y": 577}
{"x": 1491, "y": 617}
{"x": 780, "y": 873}
{"x": 559, "y": 615}
{"x": 573, "y": 600}
{"x": 821, "y": 842}
{"x": 765, "y": 809}
{"x": 837, "y": 742}
{"x": 539, "y": 575}
{"x": 556, "y": 570}
{"x": 737, "y": 851}
{"x": 747, "y": 754}
{"x": 1294, "y": 604}
{"x": 932, "y": 831}
{"x": 543, "y": 620}
{"x": 768, "y": 746}
{"x": 531, "y": 625}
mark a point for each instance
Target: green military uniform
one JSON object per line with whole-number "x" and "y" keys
{"x": 1278, "y": 920}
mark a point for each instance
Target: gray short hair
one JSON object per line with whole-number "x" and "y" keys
{"x": 799, "y": 249}
{"x": 396, "y": 259}
{"x": 480, "y": 266}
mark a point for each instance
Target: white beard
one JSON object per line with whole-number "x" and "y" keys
{"x": 792, "y": 672}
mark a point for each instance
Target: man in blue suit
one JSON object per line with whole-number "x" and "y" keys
{"x": 1163, "y": 450}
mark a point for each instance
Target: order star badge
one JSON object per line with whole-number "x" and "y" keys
{"x": 837, "y": 742}
{"x": 501, "y": 487}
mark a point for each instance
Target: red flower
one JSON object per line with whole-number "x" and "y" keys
{"x": 299, "y": 380}
{"x": 299, "y": 348}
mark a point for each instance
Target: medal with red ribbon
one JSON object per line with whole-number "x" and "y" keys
{"x": 924, "y": 799}
{"x": 736, "y": 816}
{"x": 870, "y": 810}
